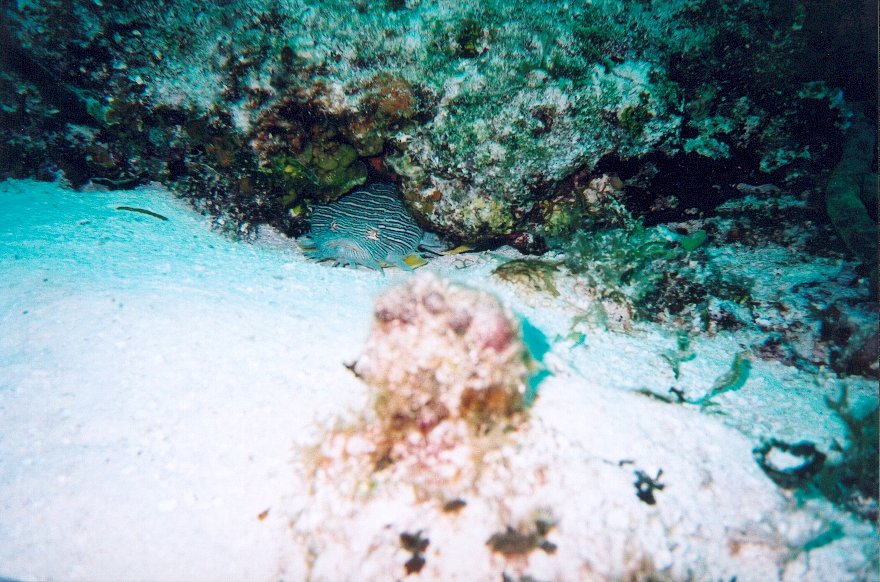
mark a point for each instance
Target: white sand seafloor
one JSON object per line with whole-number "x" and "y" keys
{"x": 159, "y": 382}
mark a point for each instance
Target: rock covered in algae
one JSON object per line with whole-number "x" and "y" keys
{"x": 448, "y": 370}
{"x": 481, "y": 111}
{"x": 438, "y": 352}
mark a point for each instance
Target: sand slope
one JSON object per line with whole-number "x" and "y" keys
{"x": 157, "y": 381}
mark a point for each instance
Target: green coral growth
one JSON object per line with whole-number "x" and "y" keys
{"x": 338, "y": 169}
{"x": 465, "y": 37}
{"x": 626, "y": 263}
{"x": 468, "y": 37}
{"x": 291, "y": 176}
{"x": 694, "y": 240}
{"x": 595, "y": 35}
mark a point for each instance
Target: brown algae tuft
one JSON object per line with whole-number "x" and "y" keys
{"x": 522, "y": 540}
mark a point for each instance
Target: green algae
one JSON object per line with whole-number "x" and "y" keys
{"x": 324, "y": 172}
{"x": 733, "y": 379}
{"x": 634, "y": 118}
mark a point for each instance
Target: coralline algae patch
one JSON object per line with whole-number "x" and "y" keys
{"x": 438, "y": 351}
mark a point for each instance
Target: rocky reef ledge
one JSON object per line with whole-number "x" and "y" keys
{"x": 494, "y": 118}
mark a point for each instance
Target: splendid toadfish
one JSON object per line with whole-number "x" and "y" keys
{"x": 368, "y": 227}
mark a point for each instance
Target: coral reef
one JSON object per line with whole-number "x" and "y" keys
{"x": 488, "y": 114}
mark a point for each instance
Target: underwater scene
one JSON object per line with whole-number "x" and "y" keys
{"x": 474, "y": 290}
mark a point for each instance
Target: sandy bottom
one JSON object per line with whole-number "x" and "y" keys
{"x": 159, "y": 383}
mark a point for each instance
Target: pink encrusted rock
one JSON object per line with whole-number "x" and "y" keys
{"x": 439, "y": 352}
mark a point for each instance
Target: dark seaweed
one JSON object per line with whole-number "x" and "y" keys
{"x": 415, "y": 544}
{"x": 790, "y": 477}
{"x": 645, "y": 486}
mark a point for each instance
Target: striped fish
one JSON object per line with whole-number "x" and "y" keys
{"x": 368, "y": 227}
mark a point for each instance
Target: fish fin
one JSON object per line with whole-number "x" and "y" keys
{"x": 397, "y": 261}
{"x": 414, "y": 261}
{"x": 305, "y": 244}
{"x": 366, "y": 262}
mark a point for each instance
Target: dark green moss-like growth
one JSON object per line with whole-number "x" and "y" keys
{"x": 654, "y": 274}
{"x": 464, "y": 37}
{"x": 324, "y": 171}
{"x": 596, "y": 39}
{"x": 843, "y": 200}
{"x": 628, "y": 264}
{"x": 468, "y": 38}
{"x": 633, "y": 118}
{"x": 595, "y": 33}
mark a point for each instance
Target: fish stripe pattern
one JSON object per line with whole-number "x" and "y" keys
{"x": 368, "y": 227}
